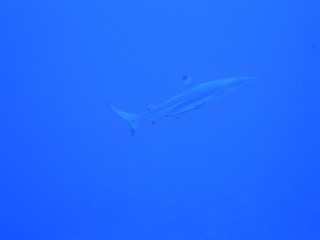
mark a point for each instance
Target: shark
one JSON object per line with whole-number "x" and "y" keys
{"x": 195, "y": 95}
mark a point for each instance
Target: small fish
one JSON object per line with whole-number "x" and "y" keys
{"x": 194, "y": 96}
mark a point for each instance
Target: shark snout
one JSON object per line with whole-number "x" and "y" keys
{"x": 242, "y": 81}
{"x": 247, "y": 80}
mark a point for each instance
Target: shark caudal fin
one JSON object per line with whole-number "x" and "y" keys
{"x": 132, "y": 119}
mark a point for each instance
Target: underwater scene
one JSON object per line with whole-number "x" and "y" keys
{"x": 160, "y": 120}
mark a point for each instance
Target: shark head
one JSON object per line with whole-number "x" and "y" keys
{"x": 234, "y": 83}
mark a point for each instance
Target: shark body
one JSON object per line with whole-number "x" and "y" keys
{"x": 195, "y": 95}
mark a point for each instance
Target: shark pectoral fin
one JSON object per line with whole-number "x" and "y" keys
{"x": 133, "y": 131}
{"x": 188, "y": 81}
{"x": 199, "y": 106}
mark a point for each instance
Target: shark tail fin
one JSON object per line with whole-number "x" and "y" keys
{"x": 132, "y": 119}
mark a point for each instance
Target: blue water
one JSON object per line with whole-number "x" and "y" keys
{"x": 244, "y": 167}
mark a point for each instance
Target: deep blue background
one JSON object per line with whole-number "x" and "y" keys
{"x": 245, "y": 167}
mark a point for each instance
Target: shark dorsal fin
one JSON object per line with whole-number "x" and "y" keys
{"x": 189, "y": 82}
